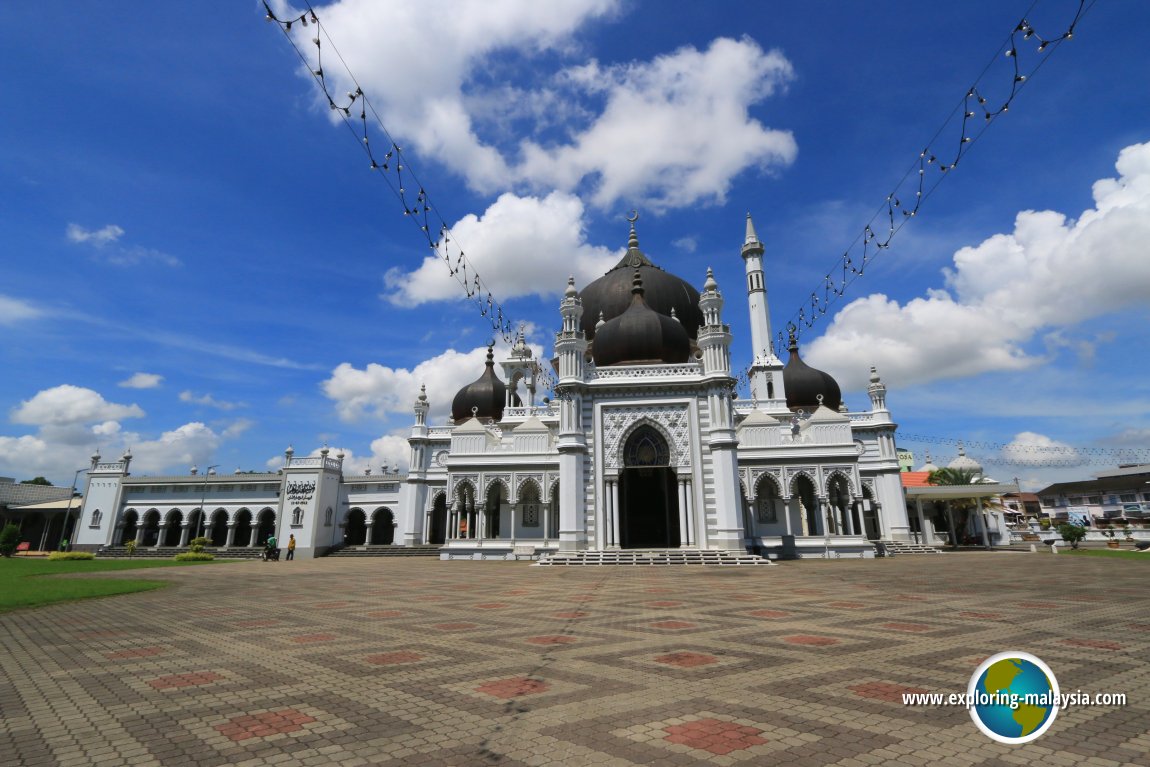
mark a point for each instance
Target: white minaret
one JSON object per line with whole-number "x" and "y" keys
{"x": 767, "y": 368}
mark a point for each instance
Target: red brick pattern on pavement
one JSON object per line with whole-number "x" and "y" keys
{"x": 409, "y": 662}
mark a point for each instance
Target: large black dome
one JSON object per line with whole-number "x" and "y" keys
{"x": 486, "y": 394}
{"x": 610, "y": 295}
{"x": 804, "y": 384}
{"x": 640, "y": 335}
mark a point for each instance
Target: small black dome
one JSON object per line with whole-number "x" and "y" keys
{"x": 641, "y": 335}
{"x": 610, "y": 295}
{"x": 804, "y": 384}
{"x": 484, "y": 397}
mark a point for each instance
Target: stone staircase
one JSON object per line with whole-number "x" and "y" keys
{"x": 896, "y": 548}
{"x": 167, "y": 552}
{"x": 385, "y": 551}
{"x": 629, "y": 557}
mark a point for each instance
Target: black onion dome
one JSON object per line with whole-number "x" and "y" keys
{"x": 611, "y": 293}
{"x": 486, "y": 394}
{"x": 640, "y": 335}
{"x": 804, "y": 383}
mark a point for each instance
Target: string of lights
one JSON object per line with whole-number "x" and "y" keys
{"x": 1027, "y": 51}
{"x": 1033, "y": 454}
{"x": 390, "y": 165}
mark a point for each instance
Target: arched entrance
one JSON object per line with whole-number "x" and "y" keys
{"x": 131, "y": 525}
{"x": 355, "y": 528}
{"x": 267, "y": 526}
{"x": 173, "y": 529}
{"x": 151, "y": 535}
{"x": 803, "y": 492}
{"x": 242, "y": 532}
{"x": 438, "y": 532}
{"x": 648, "y": 501}
{"x": 218, "y": 531}
{"x": 382, "y": 527}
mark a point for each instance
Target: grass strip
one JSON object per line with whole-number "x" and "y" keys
{"x": 22, "y": 584}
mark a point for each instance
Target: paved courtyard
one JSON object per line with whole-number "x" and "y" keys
{"x": 422, "y": 662}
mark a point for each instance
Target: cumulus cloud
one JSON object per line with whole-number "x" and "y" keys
{"x": 523, "y": 245}
{"x": 642, "y": 131}
{"x": 377, "y": 391}
{"x": 66, "y": 405}
{"x": 142, "y": 381}
{"x": 192, "y": 443}
{"x": 1031, "y": 449}
{"x": 13, "y": 310}
{"x": 1046, "y": 276}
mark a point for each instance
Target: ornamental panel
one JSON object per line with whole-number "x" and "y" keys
{"x": 673, "y": 421}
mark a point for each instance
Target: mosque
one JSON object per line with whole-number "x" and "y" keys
{"x": 643, "y": 446}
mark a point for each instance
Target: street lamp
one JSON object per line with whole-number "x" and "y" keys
{"x": 68, "y": 512}
{"x": 203, "y": 497}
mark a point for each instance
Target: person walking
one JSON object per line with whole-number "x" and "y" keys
{"x": 291, "y": 547}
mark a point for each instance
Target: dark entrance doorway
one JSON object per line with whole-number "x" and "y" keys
{"x": 438, "y": 532}
{"x": 649, "y": 503}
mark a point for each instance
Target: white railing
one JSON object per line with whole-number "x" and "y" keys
{"x": 647, "y": 371}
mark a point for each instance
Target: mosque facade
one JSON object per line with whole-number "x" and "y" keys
{"x": 644, "y": 445}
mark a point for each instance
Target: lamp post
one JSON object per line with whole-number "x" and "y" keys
{"x": 68, "y": 513}
{"x": 203, "y": 497}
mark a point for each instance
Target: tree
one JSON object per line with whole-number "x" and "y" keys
{"x": 36, "y": 481}
{"x": 1072, "y": 534}
{"x": 9, "y": 537}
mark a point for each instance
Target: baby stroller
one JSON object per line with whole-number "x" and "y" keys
{"x": 270, "y": 554}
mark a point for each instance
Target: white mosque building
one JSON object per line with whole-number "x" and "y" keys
{"x": 644, "y": 446}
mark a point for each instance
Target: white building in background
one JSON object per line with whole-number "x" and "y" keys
{"x": 644, "y": 446}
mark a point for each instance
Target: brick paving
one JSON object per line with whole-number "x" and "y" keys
{"x": 422, "y": 662}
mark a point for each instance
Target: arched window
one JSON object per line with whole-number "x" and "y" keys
{"x": 767, "y": 503}
{"x": 297, "y": 516}
{"x": 646, "y": 447}
{"x": 97, "y": 515}
{"x": 327, "y": 517}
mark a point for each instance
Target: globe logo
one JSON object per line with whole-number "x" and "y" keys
{"x": 1013, "y": 697}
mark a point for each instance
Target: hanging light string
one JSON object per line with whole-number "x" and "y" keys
{"x": 919, "y": 182}
{"x": 393, "y": 168}
{"x": 1033, "y": 454}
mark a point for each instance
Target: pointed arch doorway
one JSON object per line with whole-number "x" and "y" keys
{"x": 648, "y": 497}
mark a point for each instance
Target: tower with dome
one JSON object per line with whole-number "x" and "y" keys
{"x": 645, "y": 445}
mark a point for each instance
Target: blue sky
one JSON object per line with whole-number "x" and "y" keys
{"x": 200, "y": 265}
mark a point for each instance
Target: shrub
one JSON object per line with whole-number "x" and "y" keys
{"x": 196, "y": 545}
{"x": 1072, "y": 534}
{"x": 194, "y": 556}
{"x": 130, "y": 547}
{"x": 9, "y": 537}
{"x": 71, "y": 555}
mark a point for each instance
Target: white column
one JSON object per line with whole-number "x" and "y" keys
{"x": 692, "y": 531}
{"x": 786, "y": 502}
{"x": 848, "y": 513}
{"x": 228, "y": 542}
{"x": 982, "y": 524}
{"x": 684, "y": 533}
{"x": 184, "y": 535}
{"x": 921, "y": 521}
{"x": 615, "y": 512}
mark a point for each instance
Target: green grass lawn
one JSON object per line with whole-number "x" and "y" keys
{"x": 1112, "y": 553}
{"x": 22, "y": 584}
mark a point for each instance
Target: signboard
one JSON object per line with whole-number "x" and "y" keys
{"x": 1078, "y": 515}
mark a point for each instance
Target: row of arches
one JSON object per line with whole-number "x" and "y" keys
{"x": 495, "y": 517}
{"x": 805, "y": 511}
{"x": 174, "y": 528}
{"x": 376, "y": 529}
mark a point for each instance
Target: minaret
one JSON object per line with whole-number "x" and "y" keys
{"x": 570, "y": 352}
{"x": 766, "y": 369}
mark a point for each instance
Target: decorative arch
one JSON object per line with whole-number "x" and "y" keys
{"x": 845, "y": 476}
{"x": 768, "y": 505}
{"x": 646, "y": 423}
{"x": 242, "y": 528}
{"x": 129, "y": 526}
{"x": 355, "y": 528}
{"x": 804, "y": 473}
{"x": 217, "y": 530}
{"x": 524, "y": 484}
{"x": 498, "y": 479}
{"x": 151, "y": 528}
{"x": 436, "y": 532}
{"x": 173, "y": 522}
{"x": 382, "y": 532}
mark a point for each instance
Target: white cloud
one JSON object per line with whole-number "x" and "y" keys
{"x": 97, "y": 237}
{"x": 665, "y": 133}
{"x": 13, "y": 310}
{"x": 142, "y": 381}
{"x": 237, "y": 428}
{"x": 207, "y": 400}
{"x": 1049, "y": 274}
{"x": 674, "y": 131}
{"x": 520, "y": 246}
{"x": 377, "y": 391}
{"x": 120, "y": 255}
{"x": 180, "y": 448}
{"x": 1031, "y": 449}
{"x": 68, "y": 405}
